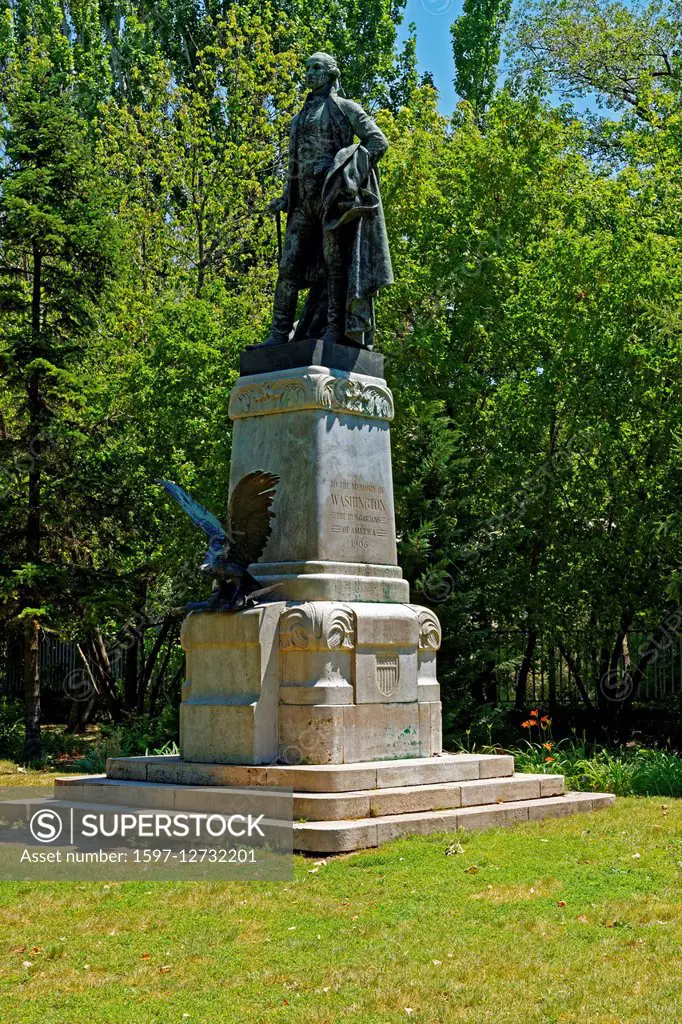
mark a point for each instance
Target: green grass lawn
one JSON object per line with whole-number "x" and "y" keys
{"x": 574, "y": 920}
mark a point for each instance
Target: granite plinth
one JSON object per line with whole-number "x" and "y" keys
{"x": 311, "y": 352}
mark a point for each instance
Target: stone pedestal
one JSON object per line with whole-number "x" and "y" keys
{"x": 311, "y": 683}
{"x": 329, "y": 687}
{"x": 325, "y": 432}
{"x": 337, "y": 667}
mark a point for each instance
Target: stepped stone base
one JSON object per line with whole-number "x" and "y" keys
{"x": 346, "y": 836}
{"x": 340, "y": 808}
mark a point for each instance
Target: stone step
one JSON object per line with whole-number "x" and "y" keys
{"x": 313, "y": 806}
{"x": 314, "y": 778}
{"x": 414, "y": 799}
{"x": 345, "y": 836}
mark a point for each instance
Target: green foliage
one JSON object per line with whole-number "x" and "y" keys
{"x": 138, "y": 735}
{"x": 527, "y": 327}
{"x": 627, "y": 56}
{"x": 532, "y": 337}
{"x": 476, "y": 37}
{"x": 59, "y": 249}
{"x": 11, "y": 728}
{"x": 625, "y": 771}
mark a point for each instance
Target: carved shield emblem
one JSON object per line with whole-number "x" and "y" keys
{"x": 388, "y": 671}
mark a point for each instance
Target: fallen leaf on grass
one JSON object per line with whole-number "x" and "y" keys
{"x": 19, "y": 949}
{"x": 582, "y": 919}
{"x": 473, "y": 870}
{"x": 27, "y": 963}
{"x": 437, "y": 963}
{"x": 146, "y": 956}
{"x": 452, "y": 849}
{"x": 561, "y": 903}
{"x": 165, "y": 969}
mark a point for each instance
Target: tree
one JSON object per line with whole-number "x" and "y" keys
{"x": 57, "y": 253}
{"x": 627, "y": 56}
{"x": 533, "y": 340}
{"x": 476, "y": 37}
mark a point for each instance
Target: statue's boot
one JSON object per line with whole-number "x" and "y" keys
{"x": 286, "y": 295}
{"x": 337, "y": 291}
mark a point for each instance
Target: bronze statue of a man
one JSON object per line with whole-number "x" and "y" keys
{"x": 335, "y": 242}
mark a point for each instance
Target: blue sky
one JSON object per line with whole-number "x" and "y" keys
{"x": 433, "y": 19}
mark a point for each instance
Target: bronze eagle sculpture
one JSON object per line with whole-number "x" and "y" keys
{"x": 232, "y": 548}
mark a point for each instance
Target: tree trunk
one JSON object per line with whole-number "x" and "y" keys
{"x": 665, "y": 633}
{"x": 80, "y": 714}
{"x": 32, "y": 742}
{"x": 96, "y": 660}
{"x": 131, "y": 670}
{"x": 148, "y": 669}
{"x": 611, "y": 686}
{"x": 160, "y": 675}
{"x": 522, "y": 681}
{"x": 603, "y": 674}
{"x": 575, "y": 672}
{"x": 32, "y": 745}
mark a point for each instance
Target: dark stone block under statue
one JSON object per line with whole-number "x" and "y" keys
{"x": 311, "y": 352}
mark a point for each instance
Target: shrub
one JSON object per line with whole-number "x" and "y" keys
{"x": 625, "y": 771}
{"x": 137, "y": 736}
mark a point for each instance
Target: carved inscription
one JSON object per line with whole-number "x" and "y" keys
{"x": 358, "y": 511}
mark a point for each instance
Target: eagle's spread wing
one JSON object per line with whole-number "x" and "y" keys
{"x": 199, "y": 515}
{"x": 249, "y": 515}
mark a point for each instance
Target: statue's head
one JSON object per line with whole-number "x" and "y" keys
{"x": 321, "y": 70}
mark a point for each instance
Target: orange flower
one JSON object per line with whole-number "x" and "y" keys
{"x": 548, "y": 760}
{"x": 546, "y": 720}
{"x": 527, "y": 725}
{"x": 534, "y": 714}
{"x": 548, "y": 746}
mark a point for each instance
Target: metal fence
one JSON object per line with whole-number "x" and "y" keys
{"x": 58, "y": 660}
{"x": 551, "y": 679}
